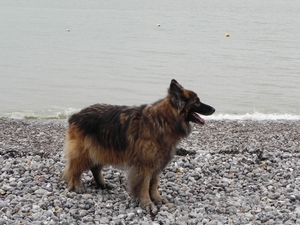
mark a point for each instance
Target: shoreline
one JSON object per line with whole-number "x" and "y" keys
{"x": 243, "y": 172}
{"x": 62, "y": 115}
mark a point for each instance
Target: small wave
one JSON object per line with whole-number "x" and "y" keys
{"x": 254, "y": 116}
{"x": 55, "y": 113}
{"x": 60, "y": 113}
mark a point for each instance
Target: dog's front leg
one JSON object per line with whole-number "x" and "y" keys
{"x": 155, "y": 196}
{"x": 139, "y": 183}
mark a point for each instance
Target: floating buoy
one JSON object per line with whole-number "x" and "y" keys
{"x": 227, "y": 35}
{"x": 68, "y": 30}
{"x": 158, "y": 25}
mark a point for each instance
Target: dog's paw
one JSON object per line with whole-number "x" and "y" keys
{"x": 169, "y": 205}
{"x": 160, "y": 201}
{"x": 77, "y": 189}
{"x": 107, "y": 186}
{"x": 148, "y": 206}
{"x": 163, "y": 201}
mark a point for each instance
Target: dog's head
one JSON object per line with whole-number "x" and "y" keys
{"x": 188, "y": 103}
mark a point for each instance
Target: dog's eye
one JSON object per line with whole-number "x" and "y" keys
{"x": 197, "y": 103}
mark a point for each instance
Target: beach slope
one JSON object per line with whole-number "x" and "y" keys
{"x": 230, "y": 172}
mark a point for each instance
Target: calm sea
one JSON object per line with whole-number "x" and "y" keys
{"x": 240, "y": 56}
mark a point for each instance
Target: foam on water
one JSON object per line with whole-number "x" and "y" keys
{"x": 60, "y": 113}
{"x": 254, "y": 116}
{"x": 54, "y": 113}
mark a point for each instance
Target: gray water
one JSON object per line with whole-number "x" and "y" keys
{"x": 59, "y": 56}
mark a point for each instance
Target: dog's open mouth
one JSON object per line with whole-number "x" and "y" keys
{"x": 194, "y": 117}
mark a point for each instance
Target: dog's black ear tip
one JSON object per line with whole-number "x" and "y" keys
{"x": 174, "y": 81}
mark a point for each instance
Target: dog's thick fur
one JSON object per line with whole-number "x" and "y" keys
{"x": 141, "y": 138}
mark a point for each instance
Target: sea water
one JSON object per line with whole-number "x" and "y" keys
{"x": 242, "y": 57}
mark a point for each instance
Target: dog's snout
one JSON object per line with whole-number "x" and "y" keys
{"x": 206, "y": 109}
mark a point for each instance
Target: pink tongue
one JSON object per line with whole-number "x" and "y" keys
{"x": 202, "y": 121}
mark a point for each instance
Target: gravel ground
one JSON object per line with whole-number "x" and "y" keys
{"x": 235, "y": 172}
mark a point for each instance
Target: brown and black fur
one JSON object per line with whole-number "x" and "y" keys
{"x": 143, "y": 139}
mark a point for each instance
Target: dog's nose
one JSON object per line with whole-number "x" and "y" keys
{"x": 212, "y": 110}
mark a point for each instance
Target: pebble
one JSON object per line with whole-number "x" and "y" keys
{"x": 42, "y": 192}
{"x": 244, "y": 172}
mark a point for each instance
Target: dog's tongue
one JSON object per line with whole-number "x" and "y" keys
{"x": 201, "y": 121}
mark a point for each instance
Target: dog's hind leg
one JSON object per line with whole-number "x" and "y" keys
{"x": 97, "y": 173}
{"x": 77, "y": 163}
{"x": 72, "y": 174}
{"x": 77, "y": 158}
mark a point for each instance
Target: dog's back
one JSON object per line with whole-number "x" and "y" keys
{"x": 108, "y": 125}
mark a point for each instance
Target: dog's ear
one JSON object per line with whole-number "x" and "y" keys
{"x": 176, "y": 93}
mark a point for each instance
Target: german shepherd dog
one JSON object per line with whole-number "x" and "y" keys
{"x": 143, "y": 139}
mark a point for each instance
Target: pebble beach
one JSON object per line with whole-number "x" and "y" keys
{"x": 226, "y": 172}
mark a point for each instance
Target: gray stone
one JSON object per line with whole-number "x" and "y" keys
{"x": 3, "y": 204}
{"x": 6, "y": 187}
{"x": 42, "y": 192}
{"x": 231, "y": 210}
{"x": 213, "y": 222}
{"x": 104, "y": 220}
{"x": 274, "y": 196}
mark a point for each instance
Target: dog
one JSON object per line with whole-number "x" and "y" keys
{"x": 141, "y": 138}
